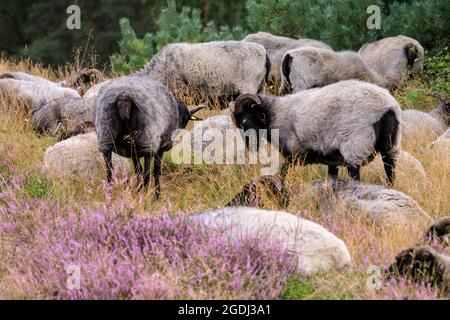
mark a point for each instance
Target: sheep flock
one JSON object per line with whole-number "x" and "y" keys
{"x": 361, "y": 180}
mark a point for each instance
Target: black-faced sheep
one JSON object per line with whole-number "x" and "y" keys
{"x": 135, "y": 117}
{"x": 345, "y": 123}
{"x": 277, "y": 46}
{"x": 391, "y": 57}
{"x": 309, "y": 67}
{"x": 423, "y": 264}
{"x": 216, "y": 69}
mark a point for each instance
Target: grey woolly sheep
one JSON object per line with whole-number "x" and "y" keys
{"x": 78, "y": 158}
{"x": 35, "y": 92}
{"x": 423, "y": 264}
{"x": 345, "y": 123}
{"x": 408, "y": 170}
{"x": 135, "y": 117}
{"x": 64, "y": 117}
{"x": 217, "y": 69}
{"x": 277, "y": 46}
{"x": 390, "y": 57}
{"x": 93, "y": 91}
{"x": 432, "y": 123}
{"x": 385, "y": 207}
{"x": 309, "y": 67}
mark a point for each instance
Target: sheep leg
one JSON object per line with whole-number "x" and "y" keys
{"x": 353, "y": 171}
{"x": 107, "y": 155}
{"x": 137, "y": 168}
{"x": 389, "y": 165}
{"x": 290, "y": 160}
{"x": 147, "y": 161}
{"x": 333, "y": 171}
{"x": 157, "y": 173}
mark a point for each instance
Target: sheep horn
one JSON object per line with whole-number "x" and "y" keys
{"x": 244, "y": 98}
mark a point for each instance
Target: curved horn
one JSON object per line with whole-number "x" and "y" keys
{"x": 244, "y": 99}
{"x": 196, "y": 109}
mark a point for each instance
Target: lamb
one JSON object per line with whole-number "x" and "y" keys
{"x": 344, "y": 123}
{"x": 431, "y": 124}
{"x": 423, "y": 263}
{"x": 78, "y": 158}
{"x": 35, "y": 92}
{"x": 385, "y": 207}
{"x": 277, "y": 46}
{"x": 64, "y": 117}
{"x": 216, "y": 69}
{"x": 309, "y": 67}
{"x": 391, "y": 57}
{"x": 135, "y": 117}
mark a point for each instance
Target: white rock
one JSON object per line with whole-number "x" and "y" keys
{"x": 315, "y": 248}
{"x": 78, "y": 158}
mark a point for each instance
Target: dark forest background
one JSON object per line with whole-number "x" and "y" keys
{"x": 37, "y": 29}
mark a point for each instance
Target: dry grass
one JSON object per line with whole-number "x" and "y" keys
{"x": 193, "y": 188}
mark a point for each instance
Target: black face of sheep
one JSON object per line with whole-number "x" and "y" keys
{"x": 440, "y": 231}
{"x": 417, "y": 264}
{"x": 127, "y": 144}
{"x": 250, "y": 196}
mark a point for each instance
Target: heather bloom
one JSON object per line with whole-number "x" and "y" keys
{"x": 123, "y": 255}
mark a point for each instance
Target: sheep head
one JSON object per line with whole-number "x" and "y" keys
{"x": 249, "y": 113}
{"x": 418, "y": 264}
{"x": 186, "y": 115}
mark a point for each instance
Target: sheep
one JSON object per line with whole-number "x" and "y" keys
{"x": 314, "y": 248}
{"x": 277, "y": 46}
{"x": 135, "y": 117}
{"x": 441, "y": 146}
{"x": 35, "y": 92}
{"x": 93, "y": 91}
{"x": 216, "y": 69}
{"x": 309, "y": 67}
{"x": 391, "y": 57}
{"x": 64, "y": 117}
{"x": 385, "y": 207}
{"x": 439, "y": 230}
{"x": 423, "y": 263}
{"x": 431, "y": 124}
{"x": 78, "y": 158}
{"x": 75, "y": 81}
{"x": 345, "y": 123}
{"x": 407, "y": 170}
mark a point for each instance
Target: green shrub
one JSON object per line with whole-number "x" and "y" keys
{"x": 342, "y": 24}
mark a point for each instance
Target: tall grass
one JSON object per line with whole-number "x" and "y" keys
{"x": 130, "y": 246}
